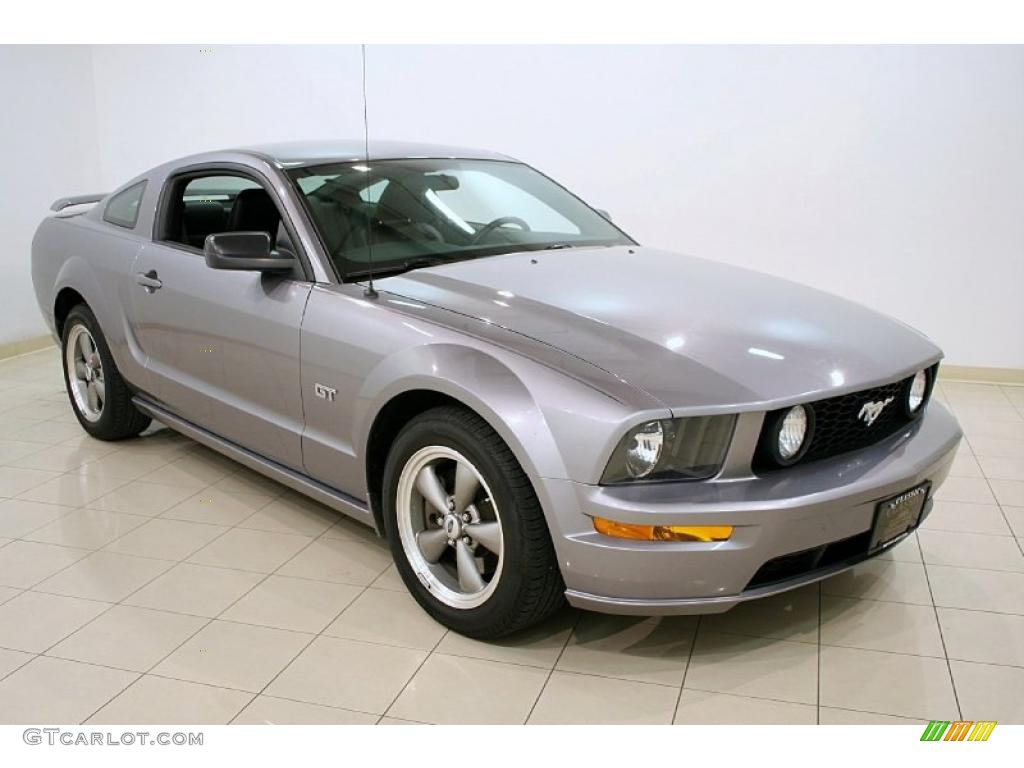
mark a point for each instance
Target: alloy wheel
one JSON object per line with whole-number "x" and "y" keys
{"x": 449, "y": 526}
{"x": 85, "y": 373}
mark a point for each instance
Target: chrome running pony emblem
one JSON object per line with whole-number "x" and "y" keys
{"x": 869, "y": 412}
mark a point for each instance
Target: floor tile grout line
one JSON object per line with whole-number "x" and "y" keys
{"x": 761, "y": 698}
{"x": 799, "y": 703}
{"x": 429, "y": 654}
{"x": 8, "y": 673}
{"x": 872, "y": 650}
{"x": 686, "y": 668}
{"x": 568, "y": 639}
{"x": 922, "y": 605}
{"x": 65, "y": 474}
{"x": 817, "y": 708}
{"x": 162, "y": 676}
{"x": 1013, "y": 533}
{"x": 942, "y": 639}
{"x": 184, "y": 561}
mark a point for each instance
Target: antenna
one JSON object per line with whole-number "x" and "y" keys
{"x": 369, "y": 293}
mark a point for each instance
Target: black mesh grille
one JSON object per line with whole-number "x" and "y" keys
{"x": 839, "y": 425}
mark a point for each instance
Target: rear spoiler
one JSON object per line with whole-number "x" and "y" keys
{"x": 66, "y": 202}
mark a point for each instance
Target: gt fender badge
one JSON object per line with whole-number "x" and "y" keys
{"x": 325, "y": 392}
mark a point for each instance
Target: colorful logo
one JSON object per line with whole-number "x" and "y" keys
{"x": 959, "y": 730}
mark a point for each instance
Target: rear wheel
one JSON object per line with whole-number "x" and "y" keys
{"x": 99, "y": 396}
{"x": 466, "y": 530}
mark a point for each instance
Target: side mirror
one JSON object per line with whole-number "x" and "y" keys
{"x": 245, "y": 251}
{"x": 604, "y": 213}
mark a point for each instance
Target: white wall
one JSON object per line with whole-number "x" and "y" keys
{"x": 892, "y": 175}
{"x": 49, "y": 149}
{"x": 155, "y": 103}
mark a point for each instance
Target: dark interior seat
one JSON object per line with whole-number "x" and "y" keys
{"x": 201, "y": 218}
{"x": 254, "y": 211}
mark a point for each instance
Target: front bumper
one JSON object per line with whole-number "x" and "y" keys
{"x": 799, "y": 511}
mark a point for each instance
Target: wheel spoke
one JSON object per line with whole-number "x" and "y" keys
{"x": 85, "y": 342}
{"x": 469, "y": 577}
{"x": 432, "y": 543}
{"x": 488, "y": 534}
{"x": 101, "y": 390}
{"x": 429, "y": 485}
{"x": 466, "y": 486}
{"x": 94, "y": 402}
{"x": 80, "y": 369}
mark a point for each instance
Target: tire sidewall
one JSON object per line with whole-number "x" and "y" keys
{"x": 437, "y": 431}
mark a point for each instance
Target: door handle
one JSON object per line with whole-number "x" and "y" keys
{"x": 149, "y": 281}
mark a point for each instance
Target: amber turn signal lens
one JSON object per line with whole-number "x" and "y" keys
{"x": 662, "y": 532}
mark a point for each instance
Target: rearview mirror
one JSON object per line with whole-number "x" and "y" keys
{"x": 244, "y": 250}
{"x": 604, "y": 213}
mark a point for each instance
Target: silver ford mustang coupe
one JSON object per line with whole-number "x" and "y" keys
{"x": 447, "y": 345}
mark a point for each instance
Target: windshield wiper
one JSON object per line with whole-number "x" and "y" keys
{"x": 448, "y": 258}
{"x": 405, "y": 266}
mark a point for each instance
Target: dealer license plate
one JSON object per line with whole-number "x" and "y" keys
{"x": 899, "y": 514}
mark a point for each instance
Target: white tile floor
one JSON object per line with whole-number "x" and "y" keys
{"x": 156, "y": 582}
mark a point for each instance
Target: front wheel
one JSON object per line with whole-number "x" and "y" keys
{"x": 99, "y": 396}
{"x": 466, "y": 530}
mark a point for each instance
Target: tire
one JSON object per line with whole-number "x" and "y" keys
{"x": 521, "y": 582}
{"x": 110, "y": 416}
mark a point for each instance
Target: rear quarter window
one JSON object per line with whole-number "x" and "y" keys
{"x": 123, "y": 208}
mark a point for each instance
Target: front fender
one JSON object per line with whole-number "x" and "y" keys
{"x": 479, "y": 380}
{"x": 557, "y": 426}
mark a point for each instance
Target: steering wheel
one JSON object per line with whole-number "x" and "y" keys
{"x": 501, "y": 221}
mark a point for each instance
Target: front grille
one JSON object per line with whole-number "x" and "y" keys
{"x": 838, "y": 426}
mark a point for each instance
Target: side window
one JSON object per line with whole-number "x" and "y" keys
{"x": 209, "y": 204}
{"x": 123, "y": 208}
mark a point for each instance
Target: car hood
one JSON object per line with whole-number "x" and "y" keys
{"x": 698, "y": 335}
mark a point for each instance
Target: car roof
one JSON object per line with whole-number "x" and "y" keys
{"x": 299, "y": 153}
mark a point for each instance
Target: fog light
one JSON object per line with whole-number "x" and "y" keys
{"x": 662, "y": 532}
{"x": 917, "y": 392}
{"x": 792, "y": 432}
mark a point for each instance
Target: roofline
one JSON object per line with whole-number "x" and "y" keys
{"x": 299, "y": 154}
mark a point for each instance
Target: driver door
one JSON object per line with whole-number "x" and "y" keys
{"x": 222, "y": 345}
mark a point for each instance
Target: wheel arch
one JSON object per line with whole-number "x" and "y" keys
{"x": 67, "y": 299}
{"x": 387, "y": 424}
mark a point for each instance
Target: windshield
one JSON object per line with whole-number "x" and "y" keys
{"x": 414, "y": 213}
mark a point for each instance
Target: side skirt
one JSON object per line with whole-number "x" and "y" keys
{"x": 331, "y": 497}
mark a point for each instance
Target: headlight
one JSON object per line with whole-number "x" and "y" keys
{"x": 790, "y": 435}
{"x": 916, "y": 393}
{"x": 644, "y": 449}
{"x": 671, "y": 449}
